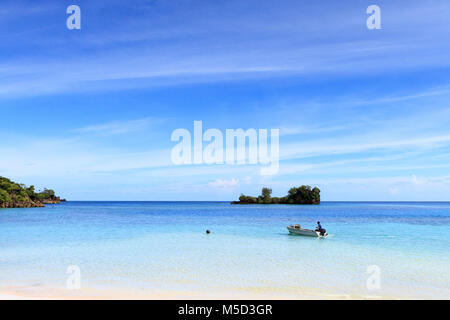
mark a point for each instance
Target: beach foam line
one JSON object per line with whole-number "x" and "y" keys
{"x": 50, "y": 293}
{"x": 17, "y": 297}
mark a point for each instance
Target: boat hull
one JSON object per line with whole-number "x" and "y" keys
{"x": 305, "y": 232}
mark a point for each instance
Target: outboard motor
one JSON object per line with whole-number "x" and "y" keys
{"x": 322, "y": 232}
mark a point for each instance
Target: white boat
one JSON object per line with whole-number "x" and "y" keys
{"x": 297, "y": 230}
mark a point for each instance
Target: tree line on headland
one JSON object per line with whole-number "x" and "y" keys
{"x": 15, "y": 195}
{"x": 301, "y": 195}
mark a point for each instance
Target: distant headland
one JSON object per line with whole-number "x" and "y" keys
{"x": 300, "y": 195}
{"x": 15, "y": 195}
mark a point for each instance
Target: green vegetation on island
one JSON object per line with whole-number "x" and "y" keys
{"x": 15, "y": 195}
{"x": 300, "y": 195}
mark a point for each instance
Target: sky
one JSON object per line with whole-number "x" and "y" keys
{"x": 362, "y": 114}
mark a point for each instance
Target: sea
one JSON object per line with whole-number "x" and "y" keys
{"x": 373, "y": 250}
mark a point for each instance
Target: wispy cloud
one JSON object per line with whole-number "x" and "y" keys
{"x": 360, "y": 112}
{"x": 333, "y": 147}
{"x": 213, "y": 46}
{"x": 219, "y": 183}
{"x": 119, "y": 127}
{"x": 297, "y": 130}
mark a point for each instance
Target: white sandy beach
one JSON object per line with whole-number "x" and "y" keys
{"x": 44, "y": 293}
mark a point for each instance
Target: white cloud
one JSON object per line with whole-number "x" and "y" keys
{"x": 211, "y": 46}
{"x": 118, "y": 127}
{"x": 333, "y": 147}
{"x": 219, "y": 183}
{"x": 393, "y": 190}
{"x": 247, "y": 180}
{"x": 296, "y": 130}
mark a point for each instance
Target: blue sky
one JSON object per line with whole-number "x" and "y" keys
{"x": 363, "y": 114}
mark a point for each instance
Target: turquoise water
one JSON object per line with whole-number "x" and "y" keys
{"x": 163, "y": 246}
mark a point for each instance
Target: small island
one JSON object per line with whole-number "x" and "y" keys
{"x": 15, "y": 195}
{"x": 300, "y": 195}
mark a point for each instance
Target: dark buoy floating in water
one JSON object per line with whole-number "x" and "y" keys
{"x": 208, "y": 232}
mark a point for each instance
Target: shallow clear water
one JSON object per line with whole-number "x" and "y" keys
{"x": 163, "y": 246}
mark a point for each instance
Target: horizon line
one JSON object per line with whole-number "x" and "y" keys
{"x": 226, "y": 201}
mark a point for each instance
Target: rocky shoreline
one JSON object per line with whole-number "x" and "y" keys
{"x": 296, "y": 195}
{"x": 15, "y": 195}
{"x": 30, "y": 204}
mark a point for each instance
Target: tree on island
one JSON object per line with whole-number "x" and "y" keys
{"x": 301, "y": 195}
{"x": 15, "y": 195}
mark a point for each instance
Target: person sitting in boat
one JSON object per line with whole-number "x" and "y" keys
{"x": 319, "y": 228}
